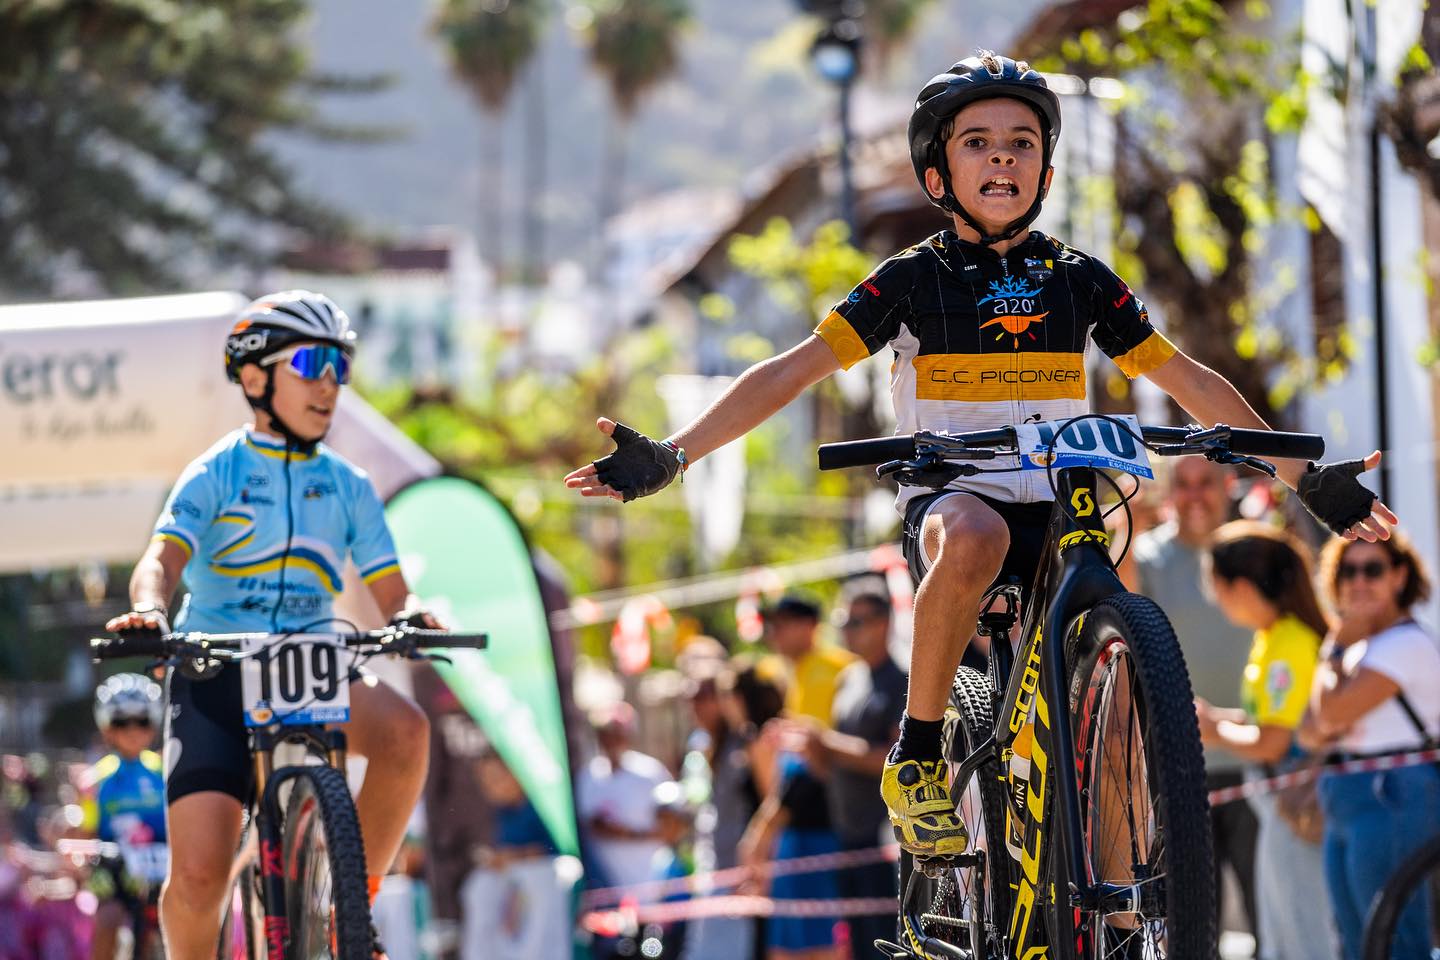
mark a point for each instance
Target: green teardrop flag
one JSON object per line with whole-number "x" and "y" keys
{"x": 465, "y": 558}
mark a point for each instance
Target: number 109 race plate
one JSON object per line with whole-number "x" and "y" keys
{"x": 302, "y": 680}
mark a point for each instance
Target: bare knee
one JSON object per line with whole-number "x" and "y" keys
{"x": 973, "y": 545}
{"x": 397, "y": 734}
{"x": 197, "y": 884}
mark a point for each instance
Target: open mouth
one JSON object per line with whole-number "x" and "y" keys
{"x": 323, "y": 411}
{"x": 999, "y": 187}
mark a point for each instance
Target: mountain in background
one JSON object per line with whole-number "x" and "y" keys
{"x": 745, "y": 96}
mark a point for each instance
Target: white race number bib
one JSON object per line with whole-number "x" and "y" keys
{"x": 1085, "y": 443}
{"x": 302, "y": 680}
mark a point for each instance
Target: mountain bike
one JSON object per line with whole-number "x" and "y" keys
{"x": 1075, "y": 761}
{"x": 1416, "y": 881}
{"x": 303, "y": 894}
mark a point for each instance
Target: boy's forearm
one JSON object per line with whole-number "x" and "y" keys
{"x": 755, "y": 396}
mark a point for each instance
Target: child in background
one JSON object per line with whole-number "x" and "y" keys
{"x": 675, "y": 821}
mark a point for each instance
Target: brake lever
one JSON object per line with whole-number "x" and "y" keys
{"x": 1236, "y": 459}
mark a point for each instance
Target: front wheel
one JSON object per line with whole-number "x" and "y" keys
{"x": 1144, "y": 816}
{"x": 326, "y": 901}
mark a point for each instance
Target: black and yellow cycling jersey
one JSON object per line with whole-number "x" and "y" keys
{"x": 983, "y": 340}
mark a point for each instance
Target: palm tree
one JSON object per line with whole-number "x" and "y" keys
{"x": 635, "y": 44}
{"x": 489, "y": 43}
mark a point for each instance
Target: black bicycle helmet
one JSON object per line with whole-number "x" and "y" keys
{"x": 944, "y": 95}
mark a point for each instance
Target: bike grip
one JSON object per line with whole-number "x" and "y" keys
{"x": 861, "y": 453}
{"x": 453, "y": 641}
{"x": 145, "y": 643}
{"x": 1274, "y": 443}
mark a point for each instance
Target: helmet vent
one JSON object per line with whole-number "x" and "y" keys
{"x": 992, "y": 64}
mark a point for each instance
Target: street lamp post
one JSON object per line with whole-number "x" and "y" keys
{"x": 836, "y": 56}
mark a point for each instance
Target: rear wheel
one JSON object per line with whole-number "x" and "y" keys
{"x": 326, "y": 900}
{"x": 968, "y": 906}
{"x": 1412, "y": 892}
{"x": 1144, "y": 816}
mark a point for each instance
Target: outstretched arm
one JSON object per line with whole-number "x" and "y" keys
{"x": 755, "y": 396}
{"x": 1211, "y": 399}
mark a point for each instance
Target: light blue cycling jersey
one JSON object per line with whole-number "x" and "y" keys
{"x": 228, "y": 513}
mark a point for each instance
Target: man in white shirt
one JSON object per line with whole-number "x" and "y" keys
{"x": 614, "y": 795}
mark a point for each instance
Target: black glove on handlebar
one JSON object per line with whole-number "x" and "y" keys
{"x": 639, "y": 466}
{"x": 1333, "y": 495}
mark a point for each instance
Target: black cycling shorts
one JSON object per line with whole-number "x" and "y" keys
{"x": 1027, "y": 522}
{"x": 206, "y": 746}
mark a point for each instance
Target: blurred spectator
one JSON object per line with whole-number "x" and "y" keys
{"x": 1262, "y": 581}
{"x": 812, "y": 672}
{"x": 793, "y": 821}
{"x": 731, "y": 801}
{"x": 867, "y": 713}
{"x": 1166, "y": 567}
{"x": 510, "y": 900}
{"x": 614, "y": 796}
{"x": 520, "y": 834}
{"x": 752, "y": 696}
{"x": 1376, "y": 691}
{"x": 675, "y": 820}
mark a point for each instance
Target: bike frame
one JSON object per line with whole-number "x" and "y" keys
{"x": 1068, "y": 584}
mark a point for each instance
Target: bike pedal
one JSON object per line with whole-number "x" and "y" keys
{"x": 936, "y": 867}
{"x": 893, "y": 951}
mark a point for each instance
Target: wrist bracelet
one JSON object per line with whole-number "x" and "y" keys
{"x": 680, "y": 458}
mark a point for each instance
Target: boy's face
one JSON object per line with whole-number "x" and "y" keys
{"x": 306, "y": 406}
{"x": 996, "y": 155}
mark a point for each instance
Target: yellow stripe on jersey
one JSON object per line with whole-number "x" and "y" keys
{"x": 989, "y": 377}
{"x": 275, "y": 563}
{"x": 849, "y": 349}
{"x": 178, "y": 541}
{"x": 384, "y": 571}
{"x": 1153, "y": 351}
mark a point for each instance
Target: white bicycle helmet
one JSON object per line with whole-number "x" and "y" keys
{"x": 129, "y": 696}
{"x": 277, "y": 320}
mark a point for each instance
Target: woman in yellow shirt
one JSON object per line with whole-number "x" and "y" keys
{"x": 1261, "y": 579}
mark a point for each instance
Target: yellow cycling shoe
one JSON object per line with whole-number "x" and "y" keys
{"x": 921, "y": 810}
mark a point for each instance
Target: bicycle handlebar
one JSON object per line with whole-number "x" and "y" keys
{"x": 226, "y": 646}
{"x": 981, "y": 444}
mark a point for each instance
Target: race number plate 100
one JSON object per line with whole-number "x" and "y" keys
{"x": 1084, "y": 443}
{"x": 297, "y": 681}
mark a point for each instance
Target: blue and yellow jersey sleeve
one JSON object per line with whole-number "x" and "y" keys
{"x": 191, "y": 509}
{"x": 372, "y": 548}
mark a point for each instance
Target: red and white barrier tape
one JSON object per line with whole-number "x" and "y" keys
{"x": 731, "y": 876}
{"x": 630, "y": 913}
{"x": 628, "y": 918}
{"x": 1390, "y": 761}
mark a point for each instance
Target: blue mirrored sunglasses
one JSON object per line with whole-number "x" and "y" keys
{"x": 311, "y": 361}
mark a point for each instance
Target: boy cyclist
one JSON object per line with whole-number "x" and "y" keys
{"x": 128, "y": 806}
{"x": 260, "y": 526}
{"x": 989, "y": 324}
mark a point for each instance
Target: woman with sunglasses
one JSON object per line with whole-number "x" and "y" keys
{"x": 1376, "y": 686}
{"x": 261, "y": 527}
